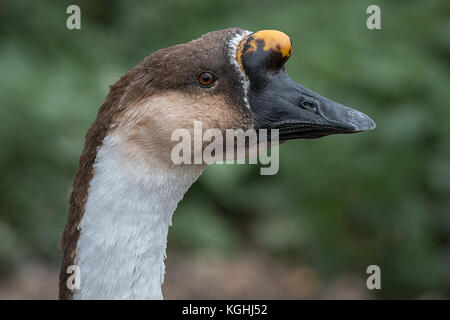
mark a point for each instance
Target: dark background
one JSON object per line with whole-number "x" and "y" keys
{"x": 338, "y": 204}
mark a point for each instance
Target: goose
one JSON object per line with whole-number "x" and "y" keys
{"x": 126, "y": 187}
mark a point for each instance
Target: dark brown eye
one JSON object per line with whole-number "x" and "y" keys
{"x": 206, "y": 79}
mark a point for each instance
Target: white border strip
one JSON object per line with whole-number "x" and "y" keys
{"x": 233, "y": 45}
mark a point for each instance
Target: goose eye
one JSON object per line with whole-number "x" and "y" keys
{"x": 206, "y": 79}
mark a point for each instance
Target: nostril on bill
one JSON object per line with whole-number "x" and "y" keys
{"x": 309, "y": 105}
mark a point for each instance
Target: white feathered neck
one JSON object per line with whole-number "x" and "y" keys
{"x": 122, "y": 246}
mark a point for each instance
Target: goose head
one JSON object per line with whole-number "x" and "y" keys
{"x": 228, "y": 79}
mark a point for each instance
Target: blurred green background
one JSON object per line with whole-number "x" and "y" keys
{"x": 338, "y": 204}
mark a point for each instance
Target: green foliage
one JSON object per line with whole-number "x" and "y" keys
{"x": 338, "y": 204}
